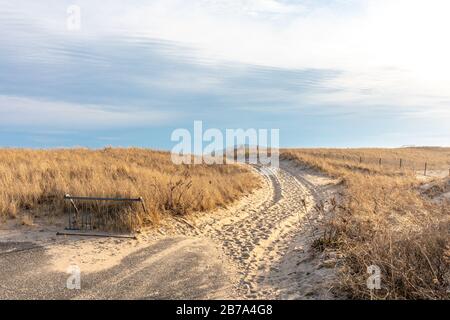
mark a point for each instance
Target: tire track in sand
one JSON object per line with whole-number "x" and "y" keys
{"x": 261, "y": 233}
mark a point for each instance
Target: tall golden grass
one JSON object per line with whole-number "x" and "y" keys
{"x": 35, "y": 181}
{"x": 412, "y": 158}
{"x": 384, "y": 219}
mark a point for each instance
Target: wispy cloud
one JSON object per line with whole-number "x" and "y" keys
{"x": 143, "y": 62}
{"x": 19, "y": 112}
{"x": 362, "y": 38}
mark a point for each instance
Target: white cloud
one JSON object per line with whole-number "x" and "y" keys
{"x": 395, "y": 50}
{"x": 390, "y": 51}
{"x": 19, "y": 112}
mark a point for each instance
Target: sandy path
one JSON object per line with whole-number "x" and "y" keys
{"x": 260, "y": 248}
{"x": 171, "y": 268}
{"x": 269, "y": 239}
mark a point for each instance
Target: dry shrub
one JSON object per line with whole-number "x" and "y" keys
{"x": 383, "y": 219}
{"x": 37, "y": 180}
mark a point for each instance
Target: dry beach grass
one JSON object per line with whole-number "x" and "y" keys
{"x": 386, "y": 218}
{"x": 33, "y": 183}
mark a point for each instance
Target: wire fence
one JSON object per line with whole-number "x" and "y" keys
{"x": 425, "y": 167}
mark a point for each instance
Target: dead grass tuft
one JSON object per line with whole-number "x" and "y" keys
{"x": 384, "y": 219}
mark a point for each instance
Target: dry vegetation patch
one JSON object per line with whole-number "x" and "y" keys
{"x": 34, "y": 182}
{"x": 385, "y": 218}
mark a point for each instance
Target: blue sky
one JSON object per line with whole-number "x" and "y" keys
{"x": 326, "y": 73}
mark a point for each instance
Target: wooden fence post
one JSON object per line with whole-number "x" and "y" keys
{"x": 379, "y": 162}
{"x": 401, "y": 163}
{"x": 425, "y": 170}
